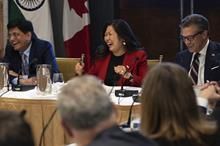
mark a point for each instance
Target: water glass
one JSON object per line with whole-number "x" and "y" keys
{"x": 43, "y": 79}
{"x": 3, "y": 75}
{"x": 58, "y": 78}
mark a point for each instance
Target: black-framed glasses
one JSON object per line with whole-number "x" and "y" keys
{"x": 190, "y": 38}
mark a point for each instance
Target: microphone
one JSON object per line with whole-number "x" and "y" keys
{"x": 46, "y": 126}
{"x": 82, "y": 59}
{"x": 123, "y": 92}
{"x": 17, "y": 87}
{"x": 127, "y": 124}
{"x": 160, "y": 58}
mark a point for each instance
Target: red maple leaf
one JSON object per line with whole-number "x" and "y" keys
{"x": 78, "y": 6}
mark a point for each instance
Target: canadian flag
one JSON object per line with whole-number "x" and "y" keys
{"x": 76, "y": 29}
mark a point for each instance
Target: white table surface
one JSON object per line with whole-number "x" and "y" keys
{"x": 32, "y": 94}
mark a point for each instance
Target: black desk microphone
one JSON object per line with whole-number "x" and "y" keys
{"x": 123, "y": 92}
{"x": 82, "y": 59}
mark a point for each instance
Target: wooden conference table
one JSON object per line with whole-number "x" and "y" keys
{"x": 40, "y": 108}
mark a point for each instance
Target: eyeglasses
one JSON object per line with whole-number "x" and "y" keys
{"x": 190, "y": 38}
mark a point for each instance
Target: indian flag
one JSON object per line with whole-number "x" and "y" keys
{"x": 36, "y": 11}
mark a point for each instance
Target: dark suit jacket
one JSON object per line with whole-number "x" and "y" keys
{"x": 137, "y": 61}
{"x": 212, "y": 61}
{"x": 41, "y": 52}
{"x": 208, "y": 140}
{"x": 214, "y": 116}
{"x": 114, "y": 136}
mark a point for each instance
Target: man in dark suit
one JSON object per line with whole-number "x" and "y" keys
{"x": 24, "y": 51}
{"x": 89, "y": 116}
{"x": 195, "y": 34}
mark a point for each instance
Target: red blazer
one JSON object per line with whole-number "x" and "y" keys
{"x": 137, "y": 62}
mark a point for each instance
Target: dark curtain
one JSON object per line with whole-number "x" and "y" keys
{"x": 56, "y": 7}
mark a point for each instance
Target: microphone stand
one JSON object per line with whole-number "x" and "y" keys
{"x": 17, "y": 87}
{"x": 46, "y": 126}
{"x": 123, "y": 92}
{"x": 127, "y": 125}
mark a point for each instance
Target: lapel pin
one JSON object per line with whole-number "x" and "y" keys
{"x": 213, "y": 54}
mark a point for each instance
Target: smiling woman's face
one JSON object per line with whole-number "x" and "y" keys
{"x": 113, "y": 41}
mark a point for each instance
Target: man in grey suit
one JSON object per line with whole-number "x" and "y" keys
{"x": 195, "y": 34}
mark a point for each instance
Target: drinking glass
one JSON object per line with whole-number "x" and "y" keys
{"x": 3, "y": 75}
{"x": 43, "y": 79}
{"x": 58, "y": 78}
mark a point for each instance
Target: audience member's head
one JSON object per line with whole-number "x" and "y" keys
{"x": 169, "y": 105}
{"x": 14, "y": 130}
{"x": 194, "y": 32}
{"x": 85, "y": 108}
{"x": 20, "y": 34}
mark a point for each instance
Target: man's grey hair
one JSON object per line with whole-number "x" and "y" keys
{"x": 195, "y": 19}
{"x": 84, "y": 103}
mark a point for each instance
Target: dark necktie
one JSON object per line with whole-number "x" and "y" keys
{"x": 25, "y": 66}
{"x": 194, "y": 69}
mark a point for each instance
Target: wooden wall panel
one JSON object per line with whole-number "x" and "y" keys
{"x": 156, "y": 24}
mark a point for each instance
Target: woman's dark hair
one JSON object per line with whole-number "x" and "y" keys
{"x": 124, "y": 32}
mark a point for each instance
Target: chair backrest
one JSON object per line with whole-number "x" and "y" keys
{"x": 152, "y": 62}
{"x": 67, "y": 67}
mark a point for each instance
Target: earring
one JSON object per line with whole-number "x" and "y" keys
{"x": 124, "y": 43}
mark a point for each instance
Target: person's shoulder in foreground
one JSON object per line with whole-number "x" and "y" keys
{"x": 115, "y": 136}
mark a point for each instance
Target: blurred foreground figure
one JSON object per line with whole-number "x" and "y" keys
{"x": 88, "y": 115}
{"x": 14, "y": 130}
{"x": 170, "y": 114}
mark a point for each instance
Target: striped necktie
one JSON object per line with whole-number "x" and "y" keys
{"x": 194, "y": 69}
{"x": 25, "y": 65}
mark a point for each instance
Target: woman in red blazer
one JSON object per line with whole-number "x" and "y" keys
{"x": 121, "y": 60}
